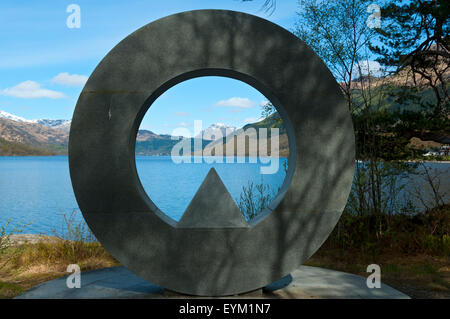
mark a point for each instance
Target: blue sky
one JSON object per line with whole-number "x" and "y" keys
{"x": 217, "y": 100}
{"x": 43, "y": 63}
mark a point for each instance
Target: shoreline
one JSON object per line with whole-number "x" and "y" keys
{"x": 417, "y": 161}
{"x": 280, "y": 157}
{"x": 413, "y": 161}
{"x": 21, "y": 239}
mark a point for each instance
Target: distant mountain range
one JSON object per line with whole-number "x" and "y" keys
{"x": 19, "y": 136}
{"x": 63, "y": 125}
{"x": 216, "y": 131}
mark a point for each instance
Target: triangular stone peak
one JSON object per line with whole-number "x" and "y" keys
{"x": 212, "y": 207}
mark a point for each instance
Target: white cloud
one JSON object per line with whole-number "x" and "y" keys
{"x": 183, "y": 124}
{"x": 70, "y": 79}
{"x": 236, "y": 102}
{"x": 31, "y": 90}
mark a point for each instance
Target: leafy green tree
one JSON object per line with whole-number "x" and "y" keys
{"x": 414, "y": 40}
{"x": 338, "y": 33}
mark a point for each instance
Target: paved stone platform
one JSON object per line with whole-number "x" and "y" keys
{"x": 305, "y": 282}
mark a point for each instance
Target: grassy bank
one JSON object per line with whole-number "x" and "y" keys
{"x": 418, "y": 275}
{"x": 412, "y": 251}
{"x": 29, "y": 260}
{"x": 29, "y": 264}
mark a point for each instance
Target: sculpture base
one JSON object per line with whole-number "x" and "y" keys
{"x": 304, "y": 283}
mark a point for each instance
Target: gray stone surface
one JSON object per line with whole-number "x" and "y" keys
{"x": 314, "y": 282}
{"x": 212, "y": 206}
{"x": 20, "y": 239}
{"x": 115, "y": 282}
{"x": 304, "y": 282}
{"x": 215, "y": 261}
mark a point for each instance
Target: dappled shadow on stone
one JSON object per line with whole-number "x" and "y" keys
{"x": 219, "y": 261}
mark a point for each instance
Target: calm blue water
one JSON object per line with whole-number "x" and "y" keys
{"x": 172, "y": 186}
{"x": 38, "y": 190}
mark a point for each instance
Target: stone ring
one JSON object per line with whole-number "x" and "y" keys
{"x": 222, "y": 259}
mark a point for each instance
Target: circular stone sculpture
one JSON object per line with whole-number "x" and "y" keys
{"x": 211, "y": 260}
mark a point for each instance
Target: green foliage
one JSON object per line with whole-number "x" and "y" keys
{"x": 380, "y": 218}
{"x": 411, "y": 27}
{"x": 385, "y": 116}
{"x": 414, "y": 39}
{"x": 426, "y": 233}
{"x": 337, "y": 32}
{"x": 438, "y": 158}
{"x": 395, "y": 99}
{"x": 162, "y": 146}
{"x": 9, "y": 290}
{"x": 4, "y": 237}
{"x": 5, "y": 234}
{"x": 376, "y": 187}
{"x": 57, "y": 149}
{"x": 74, "y": 231}
{"x": 435, "y": 196}
{"x": 271, "y": 117}
{"x": 75, "y": 243}
{"x": 254, "y": 199}
{"x": 385, "y": 133}
{"x": 10, "y": 148}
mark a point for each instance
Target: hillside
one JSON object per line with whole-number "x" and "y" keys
{"x": 405, "y": 77}
{"x": 18, "y": 149}
{"x": 50, "y": 137}
{"x": 252, "y": 143}
{"x": 251, "y": 146}
{"x": 387, "y": 98}
{"x": 34, "y": 137}
{"x": 151, "y": 144}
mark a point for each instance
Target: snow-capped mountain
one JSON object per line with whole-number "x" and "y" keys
{"x": 13, "y": 117}
{"x": 217, "y": 131}
{"x": 63, "y": 125}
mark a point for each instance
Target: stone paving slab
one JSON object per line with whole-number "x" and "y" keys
{"x": 304, "y": 283}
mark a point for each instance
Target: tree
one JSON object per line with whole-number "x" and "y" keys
{"x": 338, "y": 33}
{"x": 268, "y": 5}
{"x": 414, "y": 41}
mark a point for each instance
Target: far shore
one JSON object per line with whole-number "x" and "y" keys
{"x": 281, "y": 157}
